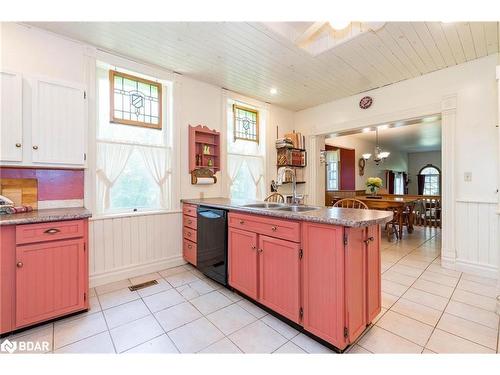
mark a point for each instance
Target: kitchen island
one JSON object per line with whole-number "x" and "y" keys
{"x": 317, "y": 268}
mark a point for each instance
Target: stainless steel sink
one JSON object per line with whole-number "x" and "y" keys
{"x": 265, "y": 205}
{"x": 297, "y": 208}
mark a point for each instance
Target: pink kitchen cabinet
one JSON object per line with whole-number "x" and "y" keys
{"x": 50, "y": 280}
{"x": 43, "y": 272}
{"x": 373, "y": 278}
{"x": 323, "y": 282}
{"x": 279, "y": 276}
{"x": 242, "y": 261}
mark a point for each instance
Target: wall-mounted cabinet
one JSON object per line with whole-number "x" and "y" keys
{"x": 204, "y": 148}
{"x": 11, "y": 97}
{"x": 45, "y": 123}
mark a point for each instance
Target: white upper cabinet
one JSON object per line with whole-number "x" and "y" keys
{"x": 11, "y": 119}
{"x": 58, "y": 123}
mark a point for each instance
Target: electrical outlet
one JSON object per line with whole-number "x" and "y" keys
{"x": 468, "y": 176}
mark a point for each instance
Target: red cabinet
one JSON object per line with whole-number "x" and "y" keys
{"x": 242, "y": 261}
{"x": 43, "y": 272}
{"x": 279, "y": 276}
{"x": 373, "y": 273}
{"x": 323, "y": 281}
{"x": 189, "y": 234}
{"x": 50, "y": 280}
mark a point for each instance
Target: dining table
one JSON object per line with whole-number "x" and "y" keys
{"x": 400, "y": 204}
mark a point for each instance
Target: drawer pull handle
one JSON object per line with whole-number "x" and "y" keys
{"x": 35, "y": 147}
{"x": 189, "y": 246}
{"x": 253, "y": 247}
{"x": 368, "y": 240}
{"x": 52, "y": 231}
{"x": 260, "y": 250}
{"x": 242, "y": 221}
{"x": 19, "y": 264}
{"x": 190, "y": 221}
{"x": 18, "y": 145}
{"x": 274, "y": 229}
{"x": 188, "y": 234}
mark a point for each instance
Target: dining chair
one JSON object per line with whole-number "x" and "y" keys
{"x": 391, "y": 227}
{"x": 275, "y": 197}
{"x": 351, "y": 203}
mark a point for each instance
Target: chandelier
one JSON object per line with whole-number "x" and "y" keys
{"x": 379, "y": 155}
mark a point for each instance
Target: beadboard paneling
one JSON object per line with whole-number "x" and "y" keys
{"x": 477, "y": 236}
{"x": 123, "y": 247}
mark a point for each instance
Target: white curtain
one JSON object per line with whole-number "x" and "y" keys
{"x": 111, "y": 160}
{"x": 233, "y": 166}
{"x": 256, "y": 168}
{"x": 158, "y": 164}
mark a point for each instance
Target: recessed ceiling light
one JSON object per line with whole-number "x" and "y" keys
{"x": 366, "y": 130}
{"x": 273, "y": 91}
{"x": 339, "y": 24}
{"x": 383, "y": 127}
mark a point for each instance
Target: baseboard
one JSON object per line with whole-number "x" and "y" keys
{"x": 479, "y": 269}
{"x": 134, "y": 270}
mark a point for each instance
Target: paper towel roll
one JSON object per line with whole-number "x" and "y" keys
{"x": 204, "y": 181}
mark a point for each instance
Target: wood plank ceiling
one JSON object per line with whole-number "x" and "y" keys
{"x": 249, "y": 58}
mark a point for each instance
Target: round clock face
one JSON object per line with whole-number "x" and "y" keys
{"x": 365, "y": 102}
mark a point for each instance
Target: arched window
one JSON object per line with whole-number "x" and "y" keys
{"x": 429, "y": 180}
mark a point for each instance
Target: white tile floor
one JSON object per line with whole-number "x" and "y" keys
{"x": 426, "y": 309}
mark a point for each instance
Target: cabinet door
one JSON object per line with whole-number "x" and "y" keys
{"x": 373, "y": 272}
{"x": 58, "y": 132}
{"x": 50, "y": 280}
{"x": 355, "y": 281}
{"x": 279, "y": 275}
{"x": 11, "y": 99}
{"x": 323, "y": 282}
{"x": 242, "y": 259}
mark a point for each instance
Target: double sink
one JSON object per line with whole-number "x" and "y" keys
{"x": 281, "y": 207}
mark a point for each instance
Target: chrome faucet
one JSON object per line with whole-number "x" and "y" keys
{"x": 280, "y": 177}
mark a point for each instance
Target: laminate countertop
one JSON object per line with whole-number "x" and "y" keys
{"x": 45, "y": 215}
{"x": 347, "y": 217}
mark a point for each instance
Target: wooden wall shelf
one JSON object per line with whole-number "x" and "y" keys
{"x": 204, "y": 148}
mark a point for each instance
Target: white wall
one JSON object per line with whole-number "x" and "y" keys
{"x": 397, "y": 161}
{"x": 418, "y": 160}
{"x": 476, "y": 139}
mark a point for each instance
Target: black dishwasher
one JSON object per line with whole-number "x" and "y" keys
{"x": 211, "y": 256}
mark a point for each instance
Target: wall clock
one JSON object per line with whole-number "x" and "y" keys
{"x": 365, "y": 102}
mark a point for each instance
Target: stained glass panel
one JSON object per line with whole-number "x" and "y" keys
{"x": 135, "y": 101}
{"x": 246, "y": 123}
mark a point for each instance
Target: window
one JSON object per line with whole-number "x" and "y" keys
{"x": 332, "y": 170}
{"x": 134, "y": 100}
{"x": 429, "y": 176}
{"x": 246, "y": 123}
{"x": 399, "y": 183}
{"x": 132, "y": 162}
{"x": 245, "y": 156}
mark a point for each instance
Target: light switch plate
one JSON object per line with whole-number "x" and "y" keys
{"x": 468, "y": 176}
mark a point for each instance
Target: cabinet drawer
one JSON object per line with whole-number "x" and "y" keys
{"x": 189, "y": 209}
{"x": 189, "y": 222}
{"x": 284, "y": 229}
{"x": 56, "y": 230}
{"x": 189, "y": 234}
{"x": 189, "y": 251}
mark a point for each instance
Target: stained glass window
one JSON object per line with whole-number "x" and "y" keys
{"x": 135, "y": 101}
{"x": 246, "y": 123}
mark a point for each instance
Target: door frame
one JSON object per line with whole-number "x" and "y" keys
{"x": 447, "y": 108}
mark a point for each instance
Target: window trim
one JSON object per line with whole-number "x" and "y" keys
{"x": 257, "y": 123}
{"x": 113, "y": 119}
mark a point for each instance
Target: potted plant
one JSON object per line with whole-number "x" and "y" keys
{"x": 373, "y": 184}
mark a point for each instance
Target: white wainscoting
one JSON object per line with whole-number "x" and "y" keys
{"x": 124, "y": 247}
{"x": 477, "y": 237}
